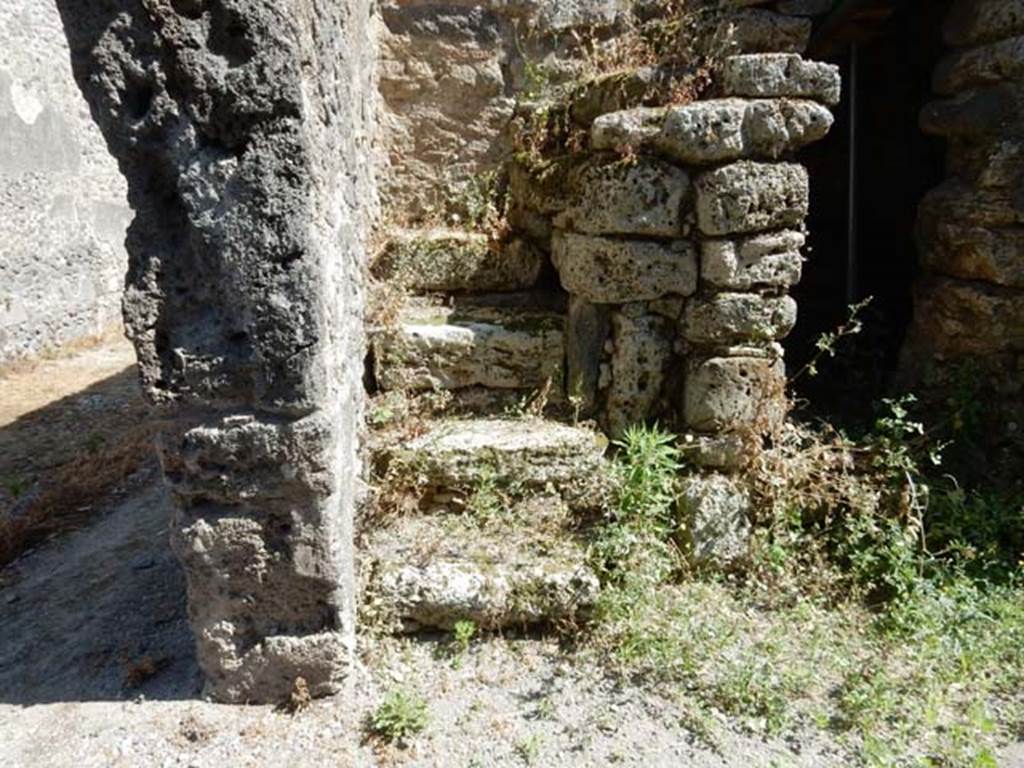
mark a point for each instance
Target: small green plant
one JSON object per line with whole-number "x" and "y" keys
{"x": 827, "y": 344}
{"x": 487, "y": 502}
{"x": 529, "y": 749}
{"x": 637, "y": 542}
{"x": 463, "y": 632}
{"x": 400, "y": 716}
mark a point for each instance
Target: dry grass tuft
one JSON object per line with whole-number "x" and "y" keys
{"x": 67, "y": 499}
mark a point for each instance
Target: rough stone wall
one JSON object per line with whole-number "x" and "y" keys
{"x": 969, "y": 305}
{"x": 450, "y": 75}
{"x": 677, "y": 233}
{"x": 62, "y": 200}
{"x": 243, "y": 128}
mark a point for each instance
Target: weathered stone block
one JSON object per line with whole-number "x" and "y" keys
{"x": 542, "y": 186}
{"x": 986, "y": 113}
{"x": 527, "y": 454}
{"x": 642, "y": 353}
{"x": 454, "y": 260}
{"x": 588, "y": 328}
{"x": 973, "y": 22}
{"x": 626, "y": 128}
{"x": 613, "y": 271}
{"x": 773, "y": 75}
{"x": 990, "y": 165}
{"x": 716, "y": 514}
{"x": 442, "y": 348}
{"x": 732, "y": 129}
{"x": 771, "y": 260}
{"x": 626, "y": 197}
{"x": 748, "y": 197}
{"x": 763, "y": 31}
{"x": 724, "y": 393}
{"x": 977, "y": 67}
{"x": 426, "y": 575}
{"x": 965, "y": 204}
{"x": 619, "y": 91}
{"x": 734, "y": 318}
{"x": 973, "y": 252}
{"x": 725, "y": 452}
{"x": 954, "y": 318}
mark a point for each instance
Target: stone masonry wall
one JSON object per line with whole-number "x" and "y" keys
{"x": 450, "y": 74}
{"x": 677, "y": 233}
{"x": 969, "y": 305}
{"x": 62, "y": 200}
{"x": 244, "y": 129}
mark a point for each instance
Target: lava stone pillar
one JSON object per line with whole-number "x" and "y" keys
{"x": 241, "y": 128}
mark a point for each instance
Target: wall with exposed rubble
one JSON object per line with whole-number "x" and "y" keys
{"x": 450, "y": 77}
{"x": 62, "y": 200}
{"x": 677, "y": 233}
{"x": 968, "y": 326}
{"x": 641, "y": 271}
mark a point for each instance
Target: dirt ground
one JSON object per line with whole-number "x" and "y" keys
{"x": 97, "y": 669}
{"x": 97, "y": 666}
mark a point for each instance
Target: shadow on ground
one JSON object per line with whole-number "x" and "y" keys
{"x": 92, "y": 607}
{"x": 99, "y": 615}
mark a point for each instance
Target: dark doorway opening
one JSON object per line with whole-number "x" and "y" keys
{"x": 894, "y": 165}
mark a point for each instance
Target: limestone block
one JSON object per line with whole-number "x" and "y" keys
{"x": 619, "y": 91}
{"x": 733, "y": 318}
{"x": 427, "y": 575}
{"x": 954, "y": 318}
{"x": 587, "y": 329}
{"x": 558, "y": 15}
{"x": 973, "y": 22}
{"x": 974, "y": 253}
{"x": 749, "y": 197}
{"x": 726, "y": 393}
{"x": 762, "y": 261}
{"x": 528, "y": 454}
{"x": 614, "y": 271}
{"x": 732, "y": 129}
{"x": 762, "y": 31}
{"x": 977, "y": 67}
{"x": 725, "y": 452}
{"x": 642, "y": 353}
{"x": 626, "y": 197}
{"x": 542, "y": 186}
{"x": 441, "y": 348}
{"x": 965, "y": 204}
{"x": 980, "y": 114}
{"x": 455, "y": 260}
{"x": 773, "y": 75}
{"x": 626, "y": 128}
{"x": 716, "y": 511}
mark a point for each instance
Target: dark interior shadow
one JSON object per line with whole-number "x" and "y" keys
{"x": 97, "y": 611}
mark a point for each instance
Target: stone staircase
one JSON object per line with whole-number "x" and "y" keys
{"x": 646, "y": 279}
{"x": 501, "y": 502}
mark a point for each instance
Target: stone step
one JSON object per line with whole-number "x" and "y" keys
{"x": 431, "y": 572}
{"x": 515, "y": 456}
{"x": 436, "y": 348}
{"x": 452, "y": 260}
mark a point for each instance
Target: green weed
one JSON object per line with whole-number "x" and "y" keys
{"x": 399, "y": 717}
